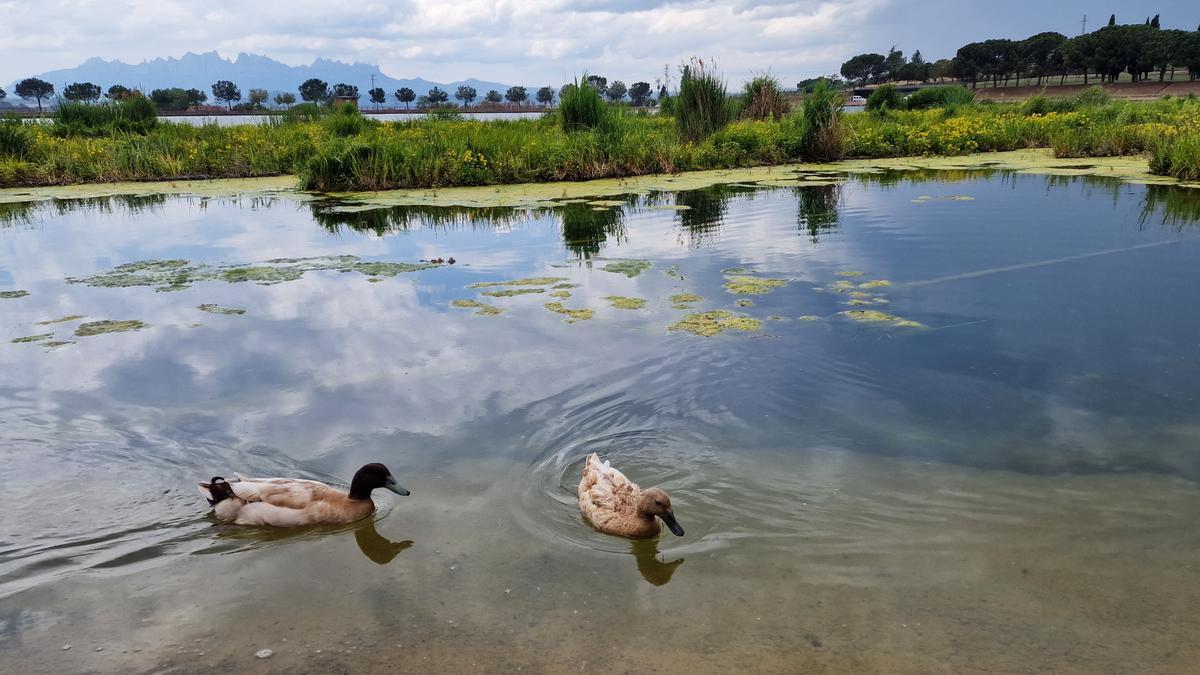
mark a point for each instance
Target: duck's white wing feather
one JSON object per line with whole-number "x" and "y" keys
{"x": 604, "y": 487}
{"x": 291, "y": 493}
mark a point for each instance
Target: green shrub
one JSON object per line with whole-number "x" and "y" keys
{"x": 702, "y": 106}
{"x": 939, "y": 97}
{"x": 885, "y": 97}
{"x": 581, "y": 107}
{"x": 762, "y": 99}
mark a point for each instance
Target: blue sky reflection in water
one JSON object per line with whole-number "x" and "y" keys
{"x": 1011, "y": 484}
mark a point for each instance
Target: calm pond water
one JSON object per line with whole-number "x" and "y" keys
{"x": 1007, "y": 485}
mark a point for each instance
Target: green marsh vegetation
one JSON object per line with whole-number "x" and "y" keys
{"x": 341, "y": 150}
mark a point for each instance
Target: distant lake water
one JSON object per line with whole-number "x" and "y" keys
{"x": 234, "y": 120}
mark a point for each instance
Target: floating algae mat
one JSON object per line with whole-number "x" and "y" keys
{"x": 559, "y": 294}
{"x": 630, "y": 268}
{"x": 622, "y": 302}
{"x": 32, "y": 338}
{"x": 685, "y": 300}
{"x": 173, "y": 275}
{"x": 708, "y": 324}
{"x": 480, "y": 308}
{"x": 528, "y": 281}
{"x": 101, "y": 327}
{"x": 876, "y": 316}
{"x": 509, "y": 292}
{"x": 217, "y": 309}
{"x": 13, "y": 295}
{"x": 747, "y": 285}
{"x": 572, "y": 315}
{"x": 65, "y": 319}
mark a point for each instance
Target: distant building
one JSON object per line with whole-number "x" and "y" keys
{"x": 352, "y": 100}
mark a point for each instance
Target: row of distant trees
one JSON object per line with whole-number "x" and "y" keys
{"x": 315, "y": 90}
{"x": 1138, "y": 49}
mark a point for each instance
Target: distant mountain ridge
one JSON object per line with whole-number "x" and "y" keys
{"x": 247, "y": 71}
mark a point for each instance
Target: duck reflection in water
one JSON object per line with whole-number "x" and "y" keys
{"x": 376, "y": 547}
{"x": 653, "y": 570}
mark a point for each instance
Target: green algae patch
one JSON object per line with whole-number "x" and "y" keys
{"x": 684, "y": 300}
{"x": 849, "y": 273}
{"x": 622, "y": 302}
{"x": 480, "y": 308}
{"x": 13, "y": 295}
{"x": 528, "y": 281}
{"x": 217, "y": 309}
{"x": 673, "y": 272}
{"x": 841, "y": 286}
{"x": 859, "y": 303}
{"x": 509, "y": 292}
{"x": 808, "y": 317}
{"x": 561, "y": 294}
{"x": 630, "y": 268}
{"x": 734, "y": 270}
{"x": 101, "y": 327}
{"x": 744, "y": 302}
{"x": 176, "y": 275}
{"x": 65, "y": 319}
{"x": 606, "y": 202}
{"x": 389, "y": 269}
{"x": 572, "y": 315}
{"x": 877, "y": 283}
{"x": 708, "y": 324}
{"x": 563, "y": 287}
{"x": 31, "y": 338}
{"x": 262, "y": 275}
{"x": 272, "y": 186}
{"x": 876, "y": 316}
{"x": 53, "y": 344}
{"x": 744, "y": 285}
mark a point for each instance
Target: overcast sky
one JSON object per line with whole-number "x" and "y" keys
{"x": 535, "y": 41}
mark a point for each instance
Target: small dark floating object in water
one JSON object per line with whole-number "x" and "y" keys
{"x": 450, "y": 260}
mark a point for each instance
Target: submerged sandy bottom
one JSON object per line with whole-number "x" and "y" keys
{"x": 886, "y": 565}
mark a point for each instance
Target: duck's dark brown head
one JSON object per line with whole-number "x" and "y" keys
{"x": 372, "y": 476}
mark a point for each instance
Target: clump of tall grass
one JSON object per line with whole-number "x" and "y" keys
{"x": 302, "y": 114}
{"x": 346, "y": 120}
{"x": 1091, "y": 97}
{"x": 1177, "y": 156}
{"x": 816, "y": 132}
{"x": 939, "y": 97}
{"x": 702, "y": 106}
{"x": 134, "y": 114}
{"x": 581, "y": 107}
{"x": 763, "y": 99}
{"x": 16, "y": 140}
{"x": 884, "y": 98}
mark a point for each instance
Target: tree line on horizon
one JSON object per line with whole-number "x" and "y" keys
{"x": 1138, "y": 49}
{"x": 318, "y": 91}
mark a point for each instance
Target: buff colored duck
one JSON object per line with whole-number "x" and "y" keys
{"x": 296, "y": 502}
{"x": 614, "y": 504}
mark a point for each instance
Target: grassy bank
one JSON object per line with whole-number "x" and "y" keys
{"x": 346, "y": 151}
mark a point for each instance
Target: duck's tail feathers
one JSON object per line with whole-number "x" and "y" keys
{"x": 215, "y": 490}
